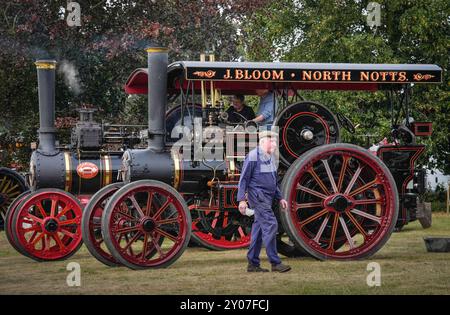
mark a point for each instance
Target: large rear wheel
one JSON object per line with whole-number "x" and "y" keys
{"x": 285, "y": 246}
{"x": 343, "y": 202}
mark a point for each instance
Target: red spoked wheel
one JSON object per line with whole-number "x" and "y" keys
{"x": 343, "y": 202}
{"x": 219, "y": 230}
{"x": 47, "y": 225}
{"x": 91, "y": 225}
{"x": 146, "y": 224}
{"x": 8, "y": 220}
{"x": 12, "y": 184}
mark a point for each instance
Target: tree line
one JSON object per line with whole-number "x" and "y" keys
{"x": 96, "y": 58}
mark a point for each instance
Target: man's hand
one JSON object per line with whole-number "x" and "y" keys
{"x": 242, "y": 206}
{"x": 283, "y": 204}
{"x": 258, "y": 119}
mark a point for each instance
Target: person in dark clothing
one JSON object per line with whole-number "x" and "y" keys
{"x": 239, "y": 112}
{"x": 258, "y": 186}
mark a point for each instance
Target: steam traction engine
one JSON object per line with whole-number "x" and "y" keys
{"x": 344, "y": 201}
{"x": 45, "y": 223}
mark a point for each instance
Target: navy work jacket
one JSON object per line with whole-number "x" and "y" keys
{"x": 259, "y": 179}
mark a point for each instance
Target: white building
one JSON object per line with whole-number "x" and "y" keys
{"x": 435, "y": 177}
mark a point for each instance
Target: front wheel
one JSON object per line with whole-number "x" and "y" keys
{"x": 46, "y": 225}
{"x": 91, "y": 225}
{"x": 146, "y": 224}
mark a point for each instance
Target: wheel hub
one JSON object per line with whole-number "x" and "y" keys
{"x": 148, "y": 225}
{"x": 307, "y": 134}
{"x": 51, "y": 225}
{"x": 339, "y": 203}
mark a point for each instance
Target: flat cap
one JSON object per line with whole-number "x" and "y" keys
{"x": 268, "y": 133}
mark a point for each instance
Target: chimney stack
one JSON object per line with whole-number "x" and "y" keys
{"x": 157, "y": 97}
{"x": 46, "y": 86}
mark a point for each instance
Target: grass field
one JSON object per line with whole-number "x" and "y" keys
{"x": 406, "y": 268}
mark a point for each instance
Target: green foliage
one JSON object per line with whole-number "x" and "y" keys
{"x": 107, "y": 47}
{"x": 134, "y": 111}
{"x": 337, "y": 31}
{"x": 438, "y": 197}
{"x": 110, "y": 42}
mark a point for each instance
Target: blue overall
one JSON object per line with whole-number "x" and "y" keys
{"x": 260, "y": 181}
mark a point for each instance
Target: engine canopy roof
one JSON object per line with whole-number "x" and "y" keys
{"x": 247, "y": 77}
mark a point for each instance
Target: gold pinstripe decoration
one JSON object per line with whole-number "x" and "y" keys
{"x": 47, "y": 65}
{"x": 68, "y": 167}
{"x": 232, "y": 169}
{"x": 177, "y": 170}
{"x": 156, "y": 49}
{"x": 107, "y": 170}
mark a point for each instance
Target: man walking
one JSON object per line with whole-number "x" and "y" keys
{"x": 258, "y": 185}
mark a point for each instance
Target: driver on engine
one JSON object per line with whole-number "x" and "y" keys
{"x": 239, "y": 112}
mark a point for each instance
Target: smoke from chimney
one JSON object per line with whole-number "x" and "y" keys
{"x": 71, "y": 76}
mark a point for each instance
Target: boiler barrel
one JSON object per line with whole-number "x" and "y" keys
{"x": 84, "y": 174}
{"x": 168, "y": 167}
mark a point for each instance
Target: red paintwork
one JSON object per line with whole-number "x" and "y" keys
{"x": 402, "y": 185}
{"x": 138, "y": 81}
{"x": 385, "y": 218}
{"x": 222, "y": 243}
{"x": 53, "y": 245}
{"x": 120, "y": 219}
{"x": 284, "y": 137}
{"x": 8, "y": 224}
{"x": 87, "y": 170}
{"x": 95, "y": 219}
{"x": 416, "y": 129}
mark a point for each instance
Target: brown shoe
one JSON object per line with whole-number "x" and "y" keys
{"x": 252, "y": 268}
{"x": 280, "y": 268}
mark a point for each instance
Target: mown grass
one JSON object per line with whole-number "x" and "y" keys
{"x": 406, "y": 268}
